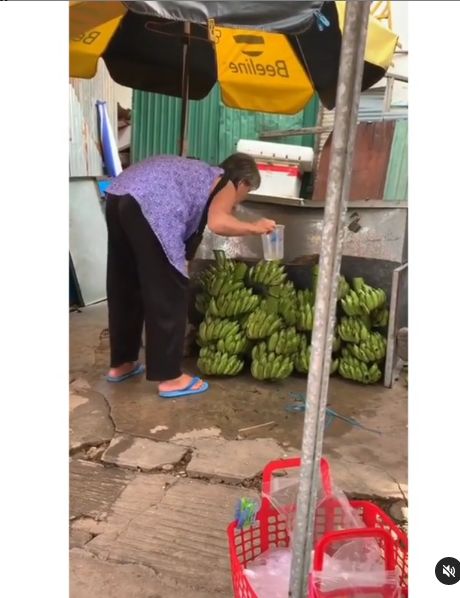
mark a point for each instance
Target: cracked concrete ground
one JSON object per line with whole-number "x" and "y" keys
{"x": 154, "y": 483}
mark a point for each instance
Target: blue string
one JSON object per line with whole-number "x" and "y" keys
{"x": 322, "y": 22}
{"x": 300, "y": 406}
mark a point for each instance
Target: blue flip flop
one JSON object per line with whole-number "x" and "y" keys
{"x": 187, "y": 391}
{"x": 139, "y": 369}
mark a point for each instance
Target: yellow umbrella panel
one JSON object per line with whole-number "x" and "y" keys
{"x": 381, "y": 42}
{"x": 86, "y": 17}
{"x": 86, "y": 48}
{"x": 260, "y": 71}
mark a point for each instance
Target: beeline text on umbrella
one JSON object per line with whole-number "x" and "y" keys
{"x": 249, "y": 66}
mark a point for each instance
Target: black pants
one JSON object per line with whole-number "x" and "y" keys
{"x": 143, "y": 286}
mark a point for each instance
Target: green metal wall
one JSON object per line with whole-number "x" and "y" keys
{"x": 214, "y": 129}
{"x": 396, "y": 184}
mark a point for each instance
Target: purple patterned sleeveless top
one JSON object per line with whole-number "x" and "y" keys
{"x": 172, "y": 193}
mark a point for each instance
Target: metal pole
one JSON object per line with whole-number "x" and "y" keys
{"x": 316, "y": 146}
{"x": 185, "y": 91}
{"x": 350, "y": 77}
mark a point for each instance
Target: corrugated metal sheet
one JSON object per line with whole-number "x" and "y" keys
{"x": 154, "y": 127}
{"x": 206, "y": 140}
{"x": 84, "y": 155}
{"x": 370, "y": 162}
{"x": 214, "y": 129}
{"x": 383, "y": 116}
{"x": 371, "y": 102}
{"x": 371, "y": 107}
{"x": 396, "y": 185}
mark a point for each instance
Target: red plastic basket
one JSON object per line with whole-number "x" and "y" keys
{"x": 270, "y": 531}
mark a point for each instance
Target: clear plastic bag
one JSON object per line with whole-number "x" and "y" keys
{"x": 282, "y": 495}
{"x": 269, "y": 573}
{"x": 333, "y": 510}
{"x": 361, "y": 564}
{"x": 384, "y": 584}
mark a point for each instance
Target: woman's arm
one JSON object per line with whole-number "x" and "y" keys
{"x": 222, "y": 222}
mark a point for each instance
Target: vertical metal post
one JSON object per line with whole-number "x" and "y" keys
{"x": 185, "y": 91}
{"x": 317, "y": 142}
{"x": 388, "y": 98}
{"x": 340, "y": 168}
{"x": 393, "y": 324}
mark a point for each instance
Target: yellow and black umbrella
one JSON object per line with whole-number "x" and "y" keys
{"x": 267, "y": 56}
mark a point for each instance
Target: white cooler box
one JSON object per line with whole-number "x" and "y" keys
{"x": 281, "y": 166}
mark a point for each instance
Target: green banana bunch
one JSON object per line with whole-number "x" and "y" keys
{"x": 354, "y": 369}
{"x": 380, "y": 317}
{"x": 233, "y": 304}
{"x": 302, "y": 358}
{"x": 303, "y": 344}
{"x": 267, "y": 274}
{"x": 362, "y": 299}
{"x": 243, "y": 320}
{"x": 281, "y": 299}
{"x": 305, "y": 297}
{"x": 270, "y": 305}
{"x": 233, "y": 344}
{"x": 351, "y": 304}
{"x": 205, "y": 279}
{"x": 353, "y": 330}
{"x": 284, "y": 290}
{"x": 202, "y": 302}
{"x": 218, "y": 363}
{"x": 287, "y": 308}
{"x": 370, "y": 298}
{"x": 223, "y": 268}
{"x": 261, "y": 324}
{"x": 305, "y": 311}
{"x": 208, "y": 351}
{"x": 302, "y": 361}
{"x": 344, "y": 288}
{"x": 371, "y": 350}
{"x": 221, "y": 264}
{"x": 212, "y": 330}
{"x": 284, "y": 342}
{"x": 334, "y": 366}
{"x": 223, "y": 283}
{"x": 240, "y": 271}
{"x": 259, "y": 350}
{"x": 220, "y": 257}
{"x": 270, "y": 366}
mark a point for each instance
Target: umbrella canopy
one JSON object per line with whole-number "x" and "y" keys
{"x": 269, "y": 71}
{"x": 283, "y": 17}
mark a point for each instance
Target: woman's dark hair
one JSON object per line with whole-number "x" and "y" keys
{"x": 242, "y": 168}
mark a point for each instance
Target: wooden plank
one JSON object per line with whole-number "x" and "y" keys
{"x": 370, "y": 163}
{"x": 294, "y": 132}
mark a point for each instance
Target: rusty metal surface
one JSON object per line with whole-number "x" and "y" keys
{"x": 397, "y": 320}
{"x": 372, "y": 233}
{"x": 370, "y": 164}
{"x": 85, "y": 158}
{"x": 283, "y": 200}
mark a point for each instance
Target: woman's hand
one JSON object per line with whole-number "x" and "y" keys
{"x": 221, "y": 220}
{"x": 264, "y": 226}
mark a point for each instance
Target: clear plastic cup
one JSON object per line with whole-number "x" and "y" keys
{"x": 273, "y": 244}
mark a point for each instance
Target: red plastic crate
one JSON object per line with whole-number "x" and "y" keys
{"x": 270, "y": 531}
